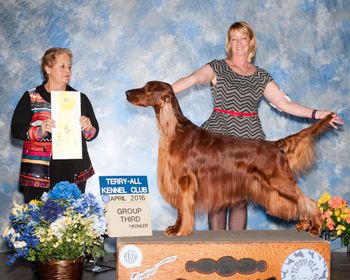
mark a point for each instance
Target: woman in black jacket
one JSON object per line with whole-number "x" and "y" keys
{"x": 32, "y": 123}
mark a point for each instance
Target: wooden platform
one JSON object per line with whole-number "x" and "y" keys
{"x": 275, "y": 254}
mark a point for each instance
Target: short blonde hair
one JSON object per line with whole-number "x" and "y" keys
{"x": 49, "y": 58}
{"x": 244, "y": 28}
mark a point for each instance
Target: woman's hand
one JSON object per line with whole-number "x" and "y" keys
{"x": 46, "y": 126}
{"x": 333, "y": 122}
{"x": 85, "y": 124}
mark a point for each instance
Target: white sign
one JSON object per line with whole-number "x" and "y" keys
{"x": 127, "y": 205}
{"x": 66, "y": 136}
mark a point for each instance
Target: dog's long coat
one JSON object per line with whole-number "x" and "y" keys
{"x": 209, "y": 171}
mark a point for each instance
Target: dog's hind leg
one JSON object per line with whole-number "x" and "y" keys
{"x": 184, "y": 224}
{"x": 304, "y": 209}
{"x": 281, "y": 207}
{"x": 288, "y": 202}
{"x": 276, "y": 203}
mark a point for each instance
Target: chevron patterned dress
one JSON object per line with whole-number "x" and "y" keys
{"x": 235, "y": 100}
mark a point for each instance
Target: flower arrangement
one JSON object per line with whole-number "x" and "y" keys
{"x": 63, "y": 225}
{"x": 335, "y": 218}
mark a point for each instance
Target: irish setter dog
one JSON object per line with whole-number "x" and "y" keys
{"x": 208, "y": 171}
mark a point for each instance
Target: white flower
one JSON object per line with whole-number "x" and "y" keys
{"x": 12, "y": 234}
{"x": 99, "y": 224}
{"x": 59, "y": 226}
{"x": 17, "y": 209}
{"x": 44, "y": 197}
{"x": 19, "y": 244}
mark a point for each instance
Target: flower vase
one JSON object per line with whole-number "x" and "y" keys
{"x": 60, "y": 270}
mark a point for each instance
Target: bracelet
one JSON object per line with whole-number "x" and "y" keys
{"x": 313, "y": 114}
{"x": 89, "y": 131}
{"x": 39, "y": 131}
{"x": 89, "y": 134}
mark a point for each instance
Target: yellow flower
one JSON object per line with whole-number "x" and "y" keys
{"x": 344, "y": 216}
{"x": 6, "y": 231}
{"x": 340, "y": 229}
{"x": 35, "y": 202}
{"x": 324, "y": 198}
{"x": 50, "y": 234}
{"x": 337, "y": 212}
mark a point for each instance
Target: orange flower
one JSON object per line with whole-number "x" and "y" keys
{"x": 327, "y": 215}
{"x": 336, "y": 202}
{"x": 330, "y": 224}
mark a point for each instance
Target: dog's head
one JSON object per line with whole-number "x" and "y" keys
{"x": 154, "y": 93}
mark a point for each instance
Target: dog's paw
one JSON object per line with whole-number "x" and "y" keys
{"x": 170, "y": 231}
{"x": 315, "y": 231}
{"x": 303, "y": 225}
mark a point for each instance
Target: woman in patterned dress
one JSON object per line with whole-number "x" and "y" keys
{"x": 32, "y": 123}
{"x": 237, "y": 86}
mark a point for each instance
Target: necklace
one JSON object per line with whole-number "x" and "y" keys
{"x": 48, "y": 87}
{"x": 245, "y": 71}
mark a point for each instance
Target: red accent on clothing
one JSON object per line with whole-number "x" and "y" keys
{"x": 84, "y": 175}
{"x": 236, "y": 114}
{"x": 27, "y": 180}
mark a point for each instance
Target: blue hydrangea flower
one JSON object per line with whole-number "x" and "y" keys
{"x": 87, "y": 205}
{"x": 64, "y": 190}
{"x": 51, "y": 210}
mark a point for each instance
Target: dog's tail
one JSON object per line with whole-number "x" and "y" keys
{"x": 299, "y": 147}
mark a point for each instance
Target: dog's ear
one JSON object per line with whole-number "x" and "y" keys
{"x": 165, "y": 98}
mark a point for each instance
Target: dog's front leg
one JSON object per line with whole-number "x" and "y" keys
{"x": 184, "y": 224}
